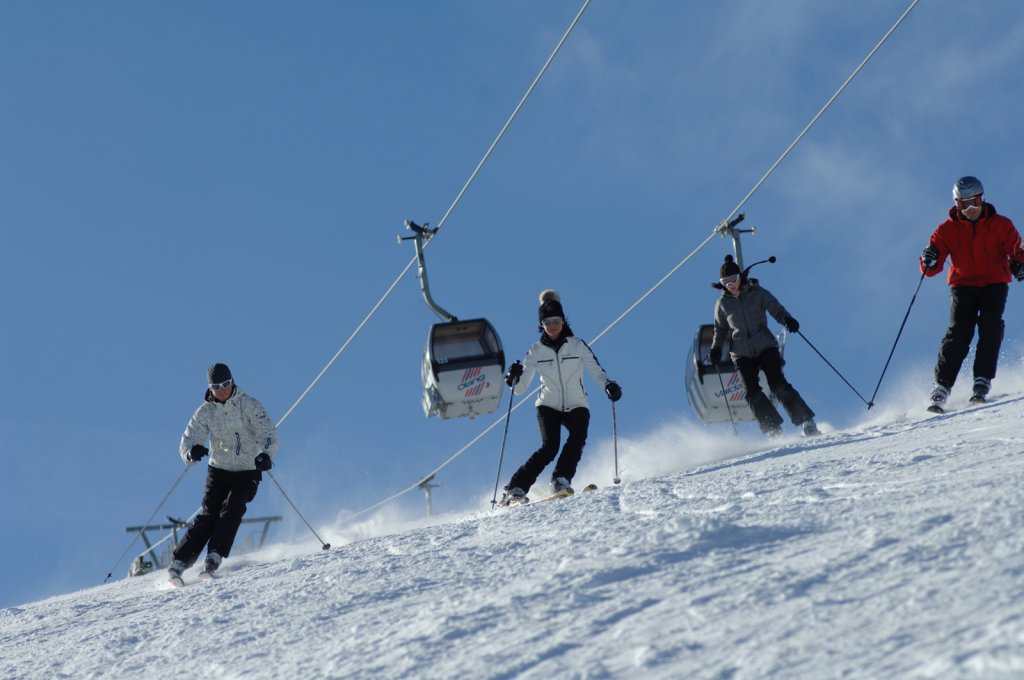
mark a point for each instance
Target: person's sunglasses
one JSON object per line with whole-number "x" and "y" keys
{"x": 551, "y": 321}
{"x": 730, "y": 280}
{"x": 221, "y": 385}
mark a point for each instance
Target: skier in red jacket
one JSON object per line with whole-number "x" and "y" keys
{"x": 984, "y": 249}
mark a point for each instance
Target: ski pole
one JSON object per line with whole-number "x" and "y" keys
{"x": 615, "y": 446}
{"x": 146, "y": 523}
{"x": 504, "y": 436}
{"x": 324, "y": 546}
{"x": 725, "y": 398}
{"x": 905, "y": 317}
{"x": 833, "y": 368}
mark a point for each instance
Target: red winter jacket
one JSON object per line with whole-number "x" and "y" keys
{"x": 979, "y": 252}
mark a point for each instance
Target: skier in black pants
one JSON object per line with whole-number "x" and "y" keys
{"x": 740, "y": 315}
{"x": 984, "y": 249}
{"x": 560, "y": 358}
{"x": 243, "y": 440}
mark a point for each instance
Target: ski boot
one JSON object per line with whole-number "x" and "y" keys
{"x": 174, "y": 572}
{"x": 981, "y": 388}
{"x": 560, "y": 487}
{"x": 939, "y": 396}
{"x": 513, "y": 496}
{"x": 809, "y": 428}
{"x": 212, "y": 563}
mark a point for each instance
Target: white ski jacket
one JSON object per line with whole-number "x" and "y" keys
{"x": 238, "y": 430}
{"x": 561, "y": 373}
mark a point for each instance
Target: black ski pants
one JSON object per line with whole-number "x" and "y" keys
{"x": 770, "y": 361}
{"x": 551, "y": 421}
{"x": 225, "y": 499}
{"x": 971, "y": 306}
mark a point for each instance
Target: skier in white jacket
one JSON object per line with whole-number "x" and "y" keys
{"x": 560, "y": 358}
{"x": 243, "y": 441}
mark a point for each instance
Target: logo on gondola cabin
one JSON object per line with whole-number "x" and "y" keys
{"x": 473, "y": 381}
{"x": 733, "y": 389}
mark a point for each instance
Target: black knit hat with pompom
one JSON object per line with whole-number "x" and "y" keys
{"x": 550, "y": 305}
{"x": 729, "y": 268}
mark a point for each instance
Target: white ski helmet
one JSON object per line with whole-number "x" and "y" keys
{"x": 967, "y": 187}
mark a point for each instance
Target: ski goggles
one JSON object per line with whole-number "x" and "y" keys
{"x": 221, "y": 385}
{"x": 974, "y": 201}
{"x": 551, "y": 321}
{"x": 730, "y": 280}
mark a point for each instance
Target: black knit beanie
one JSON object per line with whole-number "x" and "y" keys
{"x": 218, "y": 373}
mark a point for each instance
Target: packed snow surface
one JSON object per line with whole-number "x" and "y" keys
{"x": 891, "y": 550}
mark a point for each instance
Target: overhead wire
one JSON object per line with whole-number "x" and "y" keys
{"x": 717, "y": 230}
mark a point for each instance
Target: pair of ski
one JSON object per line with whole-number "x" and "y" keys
{"x": 553, "y": 497}
{"x": 179, "y": 582}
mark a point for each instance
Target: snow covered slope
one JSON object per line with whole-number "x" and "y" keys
{"x": 895, "y": 550}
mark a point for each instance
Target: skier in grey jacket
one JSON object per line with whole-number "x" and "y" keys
{"x": 560, "y": 358}
{"x": 243, "y": 441}
{"x": 741, "y": 317}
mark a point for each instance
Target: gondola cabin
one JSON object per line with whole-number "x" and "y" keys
{"x": 711, "y": 399}
{"x": 463, "y": 369}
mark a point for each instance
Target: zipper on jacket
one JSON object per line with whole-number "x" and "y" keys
{"x": 238, "y": 444}
{"x": 561, "y": 383}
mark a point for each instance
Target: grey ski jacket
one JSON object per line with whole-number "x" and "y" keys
{"x": 561, "y": 373}
{"x": 743, "y": 320}
{"x": 238, "y": 431}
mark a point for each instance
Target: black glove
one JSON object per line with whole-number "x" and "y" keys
{"x": 715, "y": 355}
{"x": 930, "y": 257}
{"x": 792, "y": 325}
{"x": 197, "y": 452}
{"x": 1017, "y": 269}
{"x": 263, "y": 462}
{"x": 613, "y": 390}
{"x": 515, "y": 371}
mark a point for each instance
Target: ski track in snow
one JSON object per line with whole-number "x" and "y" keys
{"x": 894, "y": 550}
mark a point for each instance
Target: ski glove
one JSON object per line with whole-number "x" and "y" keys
{"x": 715, "y": 355}
{"x": 197, "y": 452}
{"x": 515, "y": 371}
{"x": 792, "y": 325}
{"x": 263, "y": 462}
{"x": 1017, "y": 269}
{"x": 930, "y": 257}
{"x": 613, "y": 390}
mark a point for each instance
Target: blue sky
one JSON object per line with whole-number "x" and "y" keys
{"x": 224, "y": 182}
